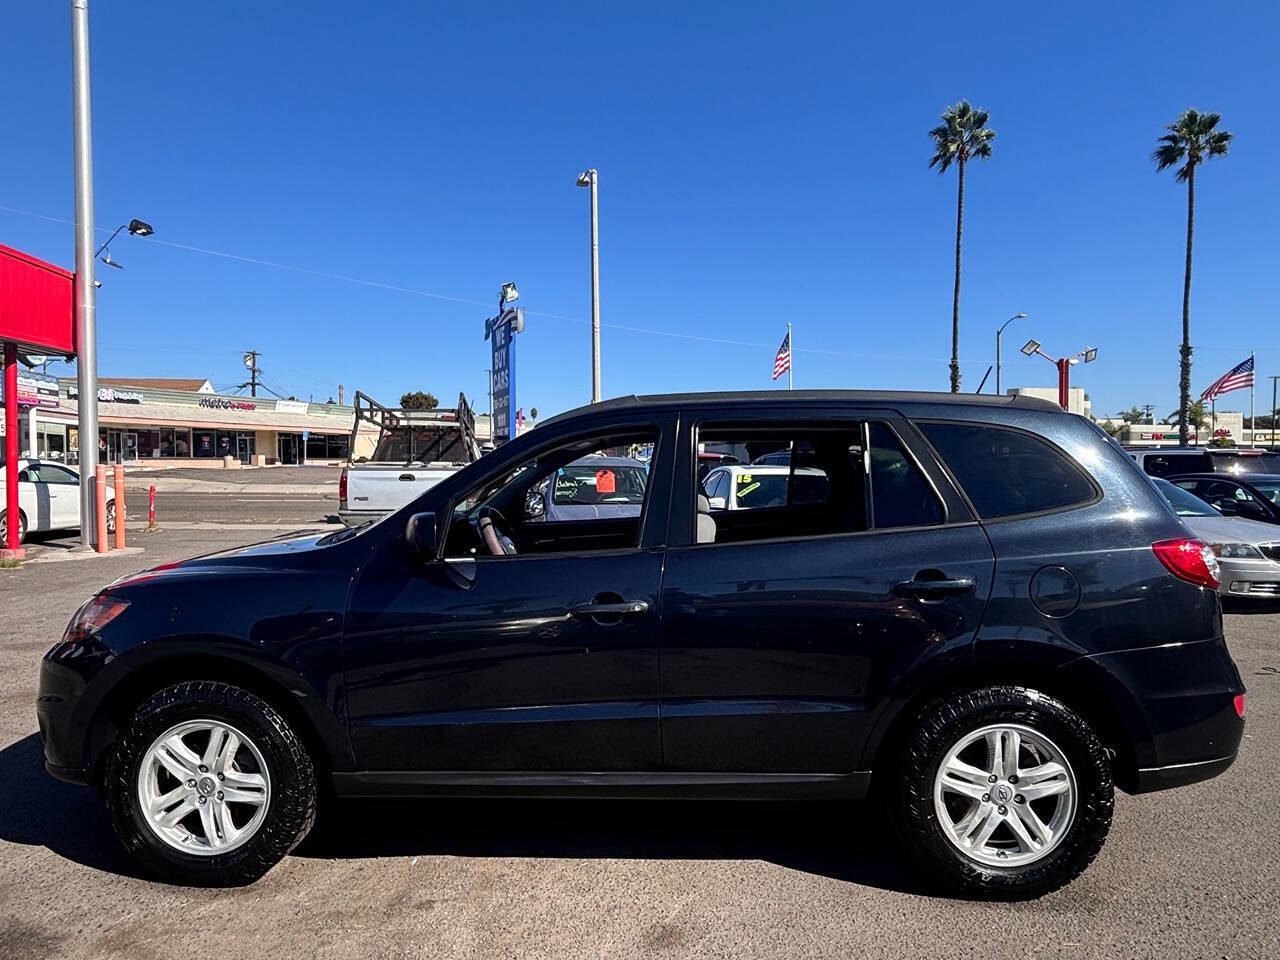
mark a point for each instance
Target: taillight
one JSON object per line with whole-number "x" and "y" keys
{"x": 1238, "y": 702}
{"x": 342, "y": 485}
{"x": 1189, "y": 560}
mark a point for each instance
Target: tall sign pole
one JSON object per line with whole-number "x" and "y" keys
{"x": 500, "y": 331}
{"x": 85, "y": 301}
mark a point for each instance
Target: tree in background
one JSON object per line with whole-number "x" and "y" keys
{"x": 1196, "y": 417}
{"x": 419, "y": 401}
{"x": 1133, "y": 415}
{"x": 963, "y": 134}
{"x": 1191, "y": 140}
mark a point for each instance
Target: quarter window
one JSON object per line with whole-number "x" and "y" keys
{"x": 1007, "y": 472}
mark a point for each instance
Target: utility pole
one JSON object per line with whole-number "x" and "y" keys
{"x": 251, "y": 361}
{"x": 86, "y": 303}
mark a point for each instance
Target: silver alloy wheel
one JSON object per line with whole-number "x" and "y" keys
{"x": 1005, "y": 795}
{"x": 203, "y": 787}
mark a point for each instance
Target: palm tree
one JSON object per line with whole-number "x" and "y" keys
{"x": 963, "y": 134}
{"x": 1191, "y": 140}
{"x": 1197, "y": 417}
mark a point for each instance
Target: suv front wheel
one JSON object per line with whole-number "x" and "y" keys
{"x": 209, "y": 785}
{"x": 1006, "y": 791}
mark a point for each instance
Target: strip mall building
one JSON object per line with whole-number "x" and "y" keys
{"x": 166, "y": 421}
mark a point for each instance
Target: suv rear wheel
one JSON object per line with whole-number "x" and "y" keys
{"x": 209, "y": 785}
{"x": 1006, "y": 791}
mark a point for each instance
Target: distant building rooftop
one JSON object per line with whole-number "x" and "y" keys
{"x": 185, "y": 384}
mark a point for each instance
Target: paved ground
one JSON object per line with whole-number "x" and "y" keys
{"x": 1188, "y": 873}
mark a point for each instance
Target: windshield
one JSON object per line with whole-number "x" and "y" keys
{"x": 1247, "y": 463}
{"x": 1185, "y": 503}
{"x": 599, "y": 484}
{"x": 1268, "y": 488}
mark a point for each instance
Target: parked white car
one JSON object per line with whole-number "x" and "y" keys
{"x": 742, "y": 487}
{"x": 48, "y": 499}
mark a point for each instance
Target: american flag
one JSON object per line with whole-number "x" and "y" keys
{"x": 1237, "y": 378}
{"x": 782, "y": 362}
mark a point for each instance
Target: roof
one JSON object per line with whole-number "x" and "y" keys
{"x": 747, "y": 397}
{"x": 192, "y": 385}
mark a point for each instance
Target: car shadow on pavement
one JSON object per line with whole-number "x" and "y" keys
{"x": 71, "y": 821}
{"x": 842, "y": 840}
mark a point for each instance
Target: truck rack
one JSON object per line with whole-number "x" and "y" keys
{"x": 418, "y": 436}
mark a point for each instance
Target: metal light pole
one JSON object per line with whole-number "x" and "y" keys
{"x": 591, "y": 179}
{"x": 1271, "y": 434}
{"x": 1016, "y": 316}
{"x": 86, "y": 307}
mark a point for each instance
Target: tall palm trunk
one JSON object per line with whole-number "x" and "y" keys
{"x": 955, "y": 298}
{"x": 1184, "y": 379}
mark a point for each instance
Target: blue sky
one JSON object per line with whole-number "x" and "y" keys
{"x": 755, "y": 169}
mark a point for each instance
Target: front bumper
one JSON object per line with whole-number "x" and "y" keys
{"x": 1255, "y": 579}
{"x": 67, "y": 702}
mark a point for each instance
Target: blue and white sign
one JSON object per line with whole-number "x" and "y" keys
{"x": 504, "y": 381}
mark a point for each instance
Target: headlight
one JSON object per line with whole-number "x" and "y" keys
{"x": 1239, "y": 551}
{"x": 93, "y": 616}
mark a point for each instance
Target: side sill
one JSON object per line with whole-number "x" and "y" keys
{"x": 554, "y": 783}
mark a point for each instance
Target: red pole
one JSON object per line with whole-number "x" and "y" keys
{"x": 151, "y": 508}
{"x": 100, "y": 495}
{"x": 11, "y": 549}
{"x": 1064, "y": 383}
{"x": 118, "y": 486}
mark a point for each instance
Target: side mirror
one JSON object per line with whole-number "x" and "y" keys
{"x": 716, "y": 503}
{"x": 1228, "y": 507}
{"x": 420, "y": 532}
{"x": 534, "y": 505}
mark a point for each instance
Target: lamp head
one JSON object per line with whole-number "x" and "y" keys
{"x": 584, "y": 178}
{"x": 139, "y": 228}
{"x": 509, "y": 293}
{"x": 106, "y": 258}
{"x": 1030, "y": 347}
{"x": 1090, "y": 354}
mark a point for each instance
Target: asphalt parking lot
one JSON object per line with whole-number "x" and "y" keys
{"x": 1187, "y": 873}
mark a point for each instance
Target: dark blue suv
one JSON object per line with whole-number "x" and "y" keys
{"x": 975, "y": 610}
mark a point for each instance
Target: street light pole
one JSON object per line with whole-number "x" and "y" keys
{"x": 86, "y": 306}
{"x": 591, "y": 179}
{"x": 1016, "y": 316}
{"x": 1271, "y": 434}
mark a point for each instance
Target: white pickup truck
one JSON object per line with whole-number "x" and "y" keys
{"x": 415, "y": 450}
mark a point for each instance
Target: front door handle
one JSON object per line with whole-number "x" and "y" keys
{"x": 406, "y": 476}
{"x": 618, "y": 609}
{"x": 933, "y": 589}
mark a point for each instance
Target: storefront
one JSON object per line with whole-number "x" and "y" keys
{"x": 150, "y": 423}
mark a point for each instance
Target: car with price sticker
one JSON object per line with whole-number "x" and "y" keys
{"x": 974, "y": 611}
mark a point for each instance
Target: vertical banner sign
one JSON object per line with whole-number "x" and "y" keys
{"x": 503, "y": 402}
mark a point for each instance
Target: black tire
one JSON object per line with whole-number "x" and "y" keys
{"x": 941, "y": 726}
{"x": 111, "y": 517}
{"x": 291, "y": 808}
{"x": 22, "y": 527}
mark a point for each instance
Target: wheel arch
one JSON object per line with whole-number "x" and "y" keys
{"x": 1079, "y": 683}
{"x": 322, "y": 734}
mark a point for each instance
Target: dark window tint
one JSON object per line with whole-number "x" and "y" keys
{"x": 1168, "y": 464}
{"x": 900, "y": 495}
{"x": 1005, "y": 472}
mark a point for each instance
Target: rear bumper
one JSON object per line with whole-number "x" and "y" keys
{"x": 355, "y": 517}
{"x": 1180, "y": 774}
{"x": 1178, "y": 709}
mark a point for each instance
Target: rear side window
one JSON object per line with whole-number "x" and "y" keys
{"x": 1006, "y": 472}
{"x": 1168, "y": 464}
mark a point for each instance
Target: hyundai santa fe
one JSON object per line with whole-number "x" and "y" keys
{"x": 984, "y": 618}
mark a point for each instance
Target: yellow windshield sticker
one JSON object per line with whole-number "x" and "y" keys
{"x": 743, "y": 491}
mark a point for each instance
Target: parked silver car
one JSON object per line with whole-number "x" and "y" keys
{"x": 590, "y": 488}
{"x": 1248, "y": 551}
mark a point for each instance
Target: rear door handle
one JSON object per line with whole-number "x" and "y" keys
{"x": 610, "y": 609}
{"x": 406, "y": 476}
{"x": 926, "y": 588}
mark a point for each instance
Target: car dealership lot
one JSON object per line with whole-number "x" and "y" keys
{"x": 1190, "y": 872}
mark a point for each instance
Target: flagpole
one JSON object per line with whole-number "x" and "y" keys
{"x": 791, "y": 360}
{"x": 1253, "y": 418}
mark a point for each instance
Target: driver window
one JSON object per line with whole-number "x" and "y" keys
{"x": 584, "y": 496}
